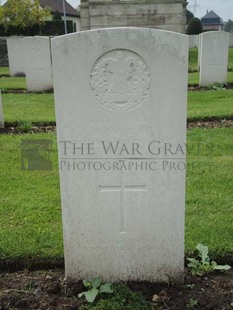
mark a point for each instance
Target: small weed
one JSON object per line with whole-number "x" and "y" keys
{"x": 218, "y": 86}
{"x": 24, "y": 126}
{"x": 192, "y": 303}
{"x": 94, "y": 288}
{"x": 122, "y": 298}
{"x": 191, "y": 286}
{"x": 204, "y": 264}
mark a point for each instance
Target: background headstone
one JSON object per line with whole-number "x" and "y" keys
{"x": 1, "y": 112}
{"x": 213, "y": 57}
{"x": 193, "y": 40}
{"x": 16, "y": 55}
{"x": 39, "y": 63}
{"x": 123, "y": 209}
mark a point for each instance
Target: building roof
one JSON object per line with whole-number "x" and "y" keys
{"x": 57, "y": 5}
{"x": 211, "y": 18}
{"x": 211, "y": 14}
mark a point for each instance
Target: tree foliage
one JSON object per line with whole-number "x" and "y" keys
{"x": 1, "y": 13}
{"x": 194, "y": 26}
{"x": 57, "y": 16}
{"x": 189, "y": 16}
{"x": 23, "y": 13}
{"x": 229, "y": 26}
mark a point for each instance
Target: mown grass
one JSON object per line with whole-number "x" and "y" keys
{"x": 208, "y": 104}
{"x": 209, "y": 205}
{"x": 34, "y": 108}
{"x": 28, "y": 107}
{"x": 12, "y": 83}
{"x": 230, "y": 63}
{"x": 30, "y": 215}
{"x": 30, "y": 212}
{"x": 4, "y": 70}
{"x": 193, "y": 59}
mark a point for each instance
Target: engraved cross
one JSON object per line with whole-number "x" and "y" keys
{"x": 122, "y": 189}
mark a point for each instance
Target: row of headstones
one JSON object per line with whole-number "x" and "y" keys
{"x": 121, "y": 106}
{"x": 194, "y": 40}
{"x": 213, "y": 53}
{"x": 32, "y": 56}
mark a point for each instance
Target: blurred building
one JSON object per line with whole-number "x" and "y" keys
{"x": 211, "y": 21}
{"x": 167, "y": 15}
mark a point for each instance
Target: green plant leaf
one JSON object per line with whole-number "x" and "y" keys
{"x": 192, "y": 303}
{"x": 215, "y": 266}
{"x": 193, "y": 263}
{"x": 203, "y": 253}
{"x": 96, "y": 282}
{"x": 81, "y": 294}
{"x": 106, "y": 288}
{"x": 91, "y": 295}
{"x": 87, "y": 283}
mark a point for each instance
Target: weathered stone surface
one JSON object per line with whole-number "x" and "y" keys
{"x": 169, "y": 15}
{"x": 213, "y": 57}
{"x": 17, "y": 55}
{"x": 121, "y": 123}
{"x": 39, "y": 64}
{"x": 193, "y": 41}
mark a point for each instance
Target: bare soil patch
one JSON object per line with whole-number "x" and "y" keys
{"x": 48, "y": 290}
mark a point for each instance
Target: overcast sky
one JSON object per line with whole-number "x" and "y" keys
{"x": 224, "y": 8}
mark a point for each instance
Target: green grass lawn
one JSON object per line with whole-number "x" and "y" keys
{"x": 230, "y": 63}
{"x": 28, "y": 108}
{"x": 211, "y": 103}
{"x": 209, "y": 205}
{"x": 30, "y": 215}
{"x": 12, "y": 83}
{"x": 39, "y": 108}
{"x": 193, "y": 59}
{"x": 4, "y": 70}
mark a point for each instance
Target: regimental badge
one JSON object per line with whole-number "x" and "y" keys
{"x": 120, "y": 80}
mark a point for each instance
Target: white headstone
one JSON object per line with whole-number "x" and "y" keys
{"x": 16, "y": 55}
{"x": 121, "y": 116}
{"x": 1, "y": 112}
{"x": 213, "y": 57}
{"x": 39, "y": 64}
{"x": 199, "y": 53}
{"x": 193, "y": 40}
